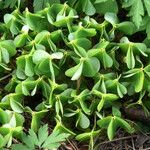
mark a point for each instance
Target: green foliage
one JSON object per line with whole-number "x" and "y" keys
{"x": 41, "y": 139}
{"x": 113, "y": 122}
{"x": 74, "y": 65}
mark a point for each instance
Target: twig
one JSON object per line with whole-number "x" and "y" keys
{"x": 5, "y": 77}
{"x": 147, "y": 148}
{"x": 78, "y": 84}
{"x": 125, "y": 145}
{"x": 118, "y": 139}
{"x": 73, "y": 145}
{"x": 15, "y": 141}
{"x": 133, "y": 143}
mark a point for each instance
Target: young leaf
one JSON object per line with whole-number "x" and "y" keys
{"x": 136, "y": 11}
{"x": 16, "y": 106}
{"x": 111, "y": 129}
{"x": 75, "y": 72}
{"x": 91, "y": 66}
{"x": 83, "y": 121}
{"x": 88, "y": 7}
{"x": 147, "y": 5}
{"x": 101, "y": 104}
{"x": 54, "y": 140}
{"x": 39, "y": 55}
{"x": 124, "y": 124}
{"x": 138, "y": 81}
{"x": 130, "y": 58}
{"x": 29, "y": 67}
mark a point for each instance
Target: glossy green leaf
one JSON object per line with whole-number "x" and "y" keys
{"x": 91, "y": 66}
{"x": 111, "y": 129}
{"x": 104, "y": 122}
{"x": 130, "y": 58}
{"x": 87, "y": 135}
{"x": 111, "y": 17}
{"x": 20, "y": 40}
{"x": 33, "y": 19}
{"x": 39, "y": 55}
{"x": 88, "y": 7}
{"x": 83, "y": 121}
{"x": 16, "y": 106}
{"x": 124, "y": 124}
{"x": 126, "y": 27}
{"x": 101, "y": 104}
{"x": 138, "y": 81}
{"x": 29, "y": 67}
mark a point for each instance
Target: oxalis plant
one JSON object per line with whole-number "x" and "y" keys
{"x": 76, "y": 66}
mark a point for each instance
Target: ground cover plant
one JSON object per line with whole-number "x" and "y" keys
{"x": 73, "y": 70}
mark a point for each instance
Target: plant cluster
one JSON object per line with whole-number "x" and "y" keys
{"x": 74, "y": 65}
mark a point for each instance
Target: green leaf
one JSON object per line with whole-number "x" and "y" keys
{"x": 131, "y": 72}
{"x": 78, "y": 73}
{"x": 130, "y": 58}
{"x": 4, "y": 117}
{"x": 124, "y": 124}
{"x": 5, "y": 55}
{"x": 111, "y": 17}
{"x": 25, "y": 91}
{"x": 80, "y": 51}
{"x": 116, "y": 111}
{"x": 10, "y": 3}
{"x": 12, "y": 23}
{"x": 83, "y": 121}
{"x": 33, "y": 19}
{"x": 8, "y": 139}
{"x": 136, "y": 11}
{"x": 20, "y": 40}
{"x": 57, "y": 55}
{"x": 141, "y": 47}
{"x": 84, "y": 107}
{"x": 139, "y": 81}
{"x": 41, "y": 4}
{"x": 148, "y": 30}
{"x": 20, "y": 67}
{"x": 100, "y": 1}
{"x": 34, "y": 137}
{"x": 29, "y": 67}
{"x": 103, "y": 5}
{"x": 82, "y": 42}
{"x": 88, "y": 7}
{"x": 91, "y": 66}
{"x": 39, "y": 55}
{"x": 36, "y": 119}
{"x": 54, "y": 140}
{"x": 82, "y": 32}
{"x": 87, "y": 135}
{"x": 1, "y": 141}
{"x": 9, "y": 46}
{"x": 104, "y": 122}
{"x": 107, "y": 60}
{"x": 147, "y": 5}
{"x": 19, "y": 146}
{"x": 111, "y": 129}
{"x": 27, "y": 140}
{"x": 75, "y": 72}
{"x": 126, "y": 27}
{"x": 16, "y": 106}
{"x": 101, "y": 104}
{"x": 121, "y": 90}
{"x": 147, "y": 70}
